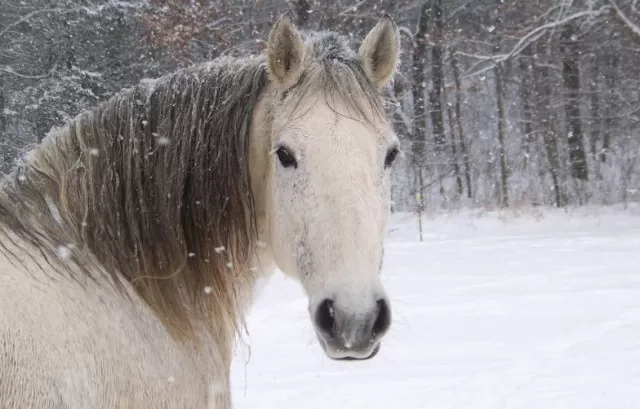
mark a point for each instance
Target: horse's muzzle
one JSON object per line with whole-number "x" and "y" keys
{"x": 345, "y": 334}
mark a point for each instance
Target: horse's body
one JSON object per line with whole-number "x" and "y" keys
{"x": 69, "y": 346}
{"x": 132, "y": 239}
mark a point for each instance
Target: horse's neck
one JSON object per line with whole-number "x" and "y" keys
{"x": 215, "y": 350}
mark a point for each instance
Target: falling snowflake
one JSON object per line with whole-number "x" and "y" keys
{"x": 229, "y": 265}
{"x": 191, "y": 255}
{"x": 94, "y": 152}
{"x": 162, "y": 140}
{"x": 219, "y": 249}
{"x": 208, "y": 290}
{"x": 64, "y": 252}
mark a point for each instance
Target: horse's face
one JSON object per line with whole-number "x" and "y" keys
{"x": 330, "y": 196}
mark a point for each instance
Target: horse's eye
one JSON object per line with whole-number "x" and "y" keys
{"x": 391, "y": 156}
{"x": 286, "y": 158}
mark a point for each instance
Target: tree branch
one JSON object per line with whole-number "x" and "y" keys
{"x": 407, "y": 32}
{"x": 351, "y": 8}
{"x": 630, "y": 24}
{"x": 8, "y": 70}
{"x": 33, "y": 13}
{"x": 96, "y": 9}
{"x": 529, "y": 38}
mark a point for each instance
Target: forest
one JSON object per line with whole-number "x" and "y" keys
{"x": 497, "y": 103}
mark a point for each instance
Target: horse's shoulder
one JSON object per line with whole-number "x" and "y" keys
{"x": 59, "y": 337}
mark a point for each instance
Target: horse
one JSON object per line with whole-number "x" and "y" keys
{"x": 134, "y": 238}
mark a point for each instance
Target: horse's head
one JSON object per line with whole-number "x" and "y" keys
{"x": 331, "y": 153}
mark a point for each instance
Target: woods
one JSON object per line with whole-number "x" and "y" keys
{"x": 498, "y": 103}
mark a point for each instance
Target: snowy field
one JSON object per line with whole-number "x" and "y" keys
{"x": 492, "y": 310}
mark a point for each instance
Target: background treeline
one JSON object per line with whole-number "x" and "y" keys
{"x": 498, "y": 103}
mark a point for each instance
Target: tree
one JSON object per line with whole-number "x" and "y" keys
{"x": 571, "y": 76}
{"x": 512, "y": 102}
{"x": 437, "y": 74}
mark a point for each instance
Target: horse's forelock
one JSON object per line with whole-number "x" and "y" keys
{"x": 335, "y": 73}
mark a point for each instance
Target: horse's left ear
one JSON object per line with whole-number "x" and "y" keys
{"x": 285, "y": 53}
{"x": 379, "y": 52}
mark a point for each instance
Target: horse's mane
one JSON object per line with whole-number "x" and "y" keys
{"x": 153, "y": 186}
{"x": 154, "y": 183}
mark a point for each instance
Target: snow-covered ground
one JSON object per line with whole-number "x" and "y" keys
{"x": 535, "y": 311}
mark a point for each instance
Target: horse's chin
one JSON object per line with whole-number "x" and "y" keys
{"x": 341, "y": 354}
{"x": 363, "y": 357}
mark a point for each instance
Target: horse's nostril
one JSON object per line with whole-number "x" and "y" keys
{"x": 325, "y": 317}
{"x": 383, "y": 321}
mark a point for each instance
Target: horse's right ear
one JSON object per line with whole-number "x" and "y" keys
{"x": 380, "y": 50}
{"x": 285, "y": 53}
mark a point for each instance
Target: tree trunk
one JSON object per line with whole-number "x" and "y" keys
{"x": 525, "y": 93}
{"x": 543, "y": 116}
{"x": 571, "y": 77}
{"x": 454, "y": 151}
{"x": 458, "y": 106}
{"x": 551, "y": 147}
{"x": 610, "y": 107}
{"x": 3, "y": 117}
{"x": 504, "y": 171}
{"x": 303, "y": 9}
{"x": 419, "y": 130}
{"x": 595, "y": 121}
{"x": 437, "y": 76}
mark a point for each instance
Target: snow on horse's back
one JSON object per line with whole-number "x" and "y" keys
{"x": 132, "y": 238}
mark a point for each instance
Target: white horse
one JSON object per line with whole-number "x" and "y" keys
{"x": 132, "y": 238}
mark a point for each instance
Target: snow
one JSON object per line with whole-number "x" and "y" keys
{"x": 64, "y": 252}
{"x": 493, "y": 310}
{"x": 163, "y": 140}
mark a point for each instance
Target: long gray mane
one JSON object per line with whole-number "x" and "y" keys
{"x": 154, "y": 185}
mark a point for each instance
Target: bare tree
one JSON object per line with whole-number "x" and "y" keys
{"x": 571, "y": 76}
{"x": 437, "y": 74}
{"x": 533, "y": 101}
